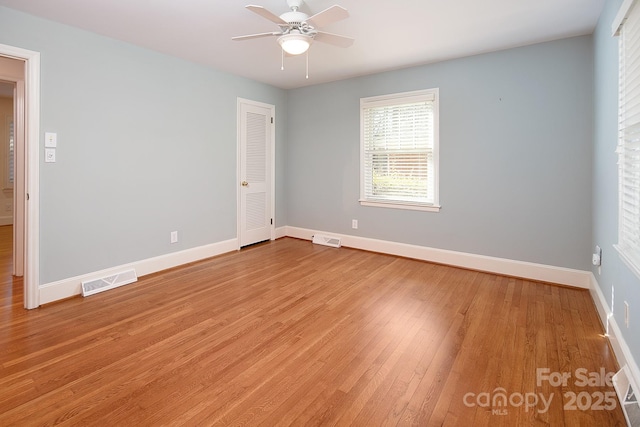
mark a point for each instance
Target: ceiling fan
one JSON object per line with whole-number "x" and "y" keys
{"x": 298, "y": 30}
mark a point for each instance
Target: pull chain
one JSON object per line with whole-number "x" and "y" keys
{"x": 306, "y": 58}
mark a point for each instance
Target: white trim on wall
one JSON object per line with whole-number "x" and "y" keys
{"x": 564, "y": 276}
{"x": 620, "y": 17}
{"x": 32, "y": 171}
{"x": 72, "y": 286}
{"x": 619, "y": 345}
{"x": 280, "y": 232}
{"x": 526, "y": 270}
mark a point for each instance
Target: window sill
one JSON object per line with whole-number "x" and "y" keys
{"x": 627, "y": 261}
{"x": 400, "y": 205}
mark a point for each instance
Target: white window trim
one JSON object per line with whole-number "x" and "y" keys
{"x": 427, "y": 207}
{"x": 629, "y": 257}
{"x": 623, "y": 12}
{"x": 627, "y": 261}
{"x": 397, "y": 205}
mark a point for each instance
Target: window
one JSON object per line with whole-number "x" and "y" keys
{"x": 399, "y": 150}
{"x": 628, "y": 28}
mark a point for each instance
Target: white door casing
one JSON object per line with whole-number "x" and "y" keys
{"x": 256, "y": 135}
{"x": 27, "y": 192}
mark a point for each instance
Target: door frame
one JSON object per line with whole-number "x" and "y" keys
{"x": 31, "y": 168}
{"x": 272, "y": 161}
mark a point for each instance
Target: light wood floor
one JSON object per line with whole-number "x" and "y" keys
{"x": 290, "y": 333}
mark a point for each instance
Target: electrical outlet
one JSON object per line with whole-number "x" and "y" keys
{"x": 354, "y": 224}
{"x": 50, "y": 155}
{"x": 626, "y": 314}
{"x": 174, "y": 237}
{"x": 596, "y": 258}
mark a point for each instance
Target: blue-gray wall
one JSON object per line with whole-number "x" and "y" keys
{"x": 605, "y": 181}
{"x": 515, "y": 155}
{"x": 146, "y": 145}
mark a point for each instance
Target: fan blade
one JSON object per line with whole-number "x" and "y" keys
{"x": 334, "y": 39}
{"x": 328, "y": 16}
{"x": 266, "y": 14}
{"x": 254, "y": 36}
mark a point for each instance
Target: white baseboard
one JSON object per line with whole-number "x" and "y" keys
{"x": 72, "y": 286}
{"x": 526, "y": 270}
{"x": 281, "y": 232}
{"x": 6, "y": 220}
{"x": 619, "y": 345}
{"x": 541, "y": 272}
{"x": 66, "y": 288}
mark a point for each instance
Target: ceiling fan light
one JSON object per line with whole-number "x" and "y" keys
{"x": 294, "y": 44}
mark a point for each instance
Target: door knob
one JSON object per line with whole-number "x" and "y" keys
{"x": 245, "y": 184}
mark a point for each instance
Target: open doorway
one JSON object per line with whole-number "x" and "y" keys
{"x": 11, "y": 286}
{"x": 11, "y": 224}
{"x": 20, "y": 69}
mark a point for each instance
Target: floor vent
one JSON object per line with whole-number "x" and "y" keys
{"x": 322, "y": 239}
{"x": 90, "y": 287}
{"x": 628, "y": 396}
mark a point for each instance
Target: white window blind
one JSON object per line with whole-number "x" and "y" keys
{"x": 629, "y": 139}
{"x": 399, "y": 149}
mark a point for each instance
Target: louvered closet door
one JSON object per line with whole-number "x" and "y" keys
{"x": 255, "y": 172}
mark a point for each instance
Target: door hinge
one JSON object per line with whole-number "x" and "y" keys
{"x": 271, "y": 221}
{"x": 271, "y": 120}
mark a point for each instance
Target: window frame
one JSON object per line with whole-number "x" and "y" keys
{"x": 628, "y": 245}
{"x": 399, "y": 99}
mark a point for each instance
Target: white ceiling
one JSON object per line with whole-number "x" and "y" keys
{"x": 389, "y": 34}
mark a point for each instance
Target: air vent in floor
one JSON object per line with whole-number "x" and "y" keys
{"x": 93, "y": 286}
{"x": 322, "y": 239}
{"x": 627, "y": 395}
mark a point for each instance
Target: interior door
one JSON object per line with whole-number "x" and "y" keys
{"x": 255, "y": 171}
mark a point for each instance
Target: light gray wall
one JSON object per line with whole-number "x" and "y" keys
{"x": 146, "y": 145}
{"x": 605, "y": 181}
{"x": 515, "y": 155}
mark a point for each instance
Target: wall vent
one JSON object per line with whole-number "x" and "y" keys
{"x": 628, "y": 396}
{"x": 93, "y": 286}
{"x": 323, "y": 239}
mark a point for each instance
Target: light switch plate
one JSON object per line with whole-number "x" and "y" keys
{"x": 50, "y": 140}
{"x": 50, "y": 155}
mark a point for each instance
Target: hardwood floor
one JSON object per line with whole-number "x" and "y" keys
{"x": 7, "y": 282}
{"x": 290, "y": 333}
